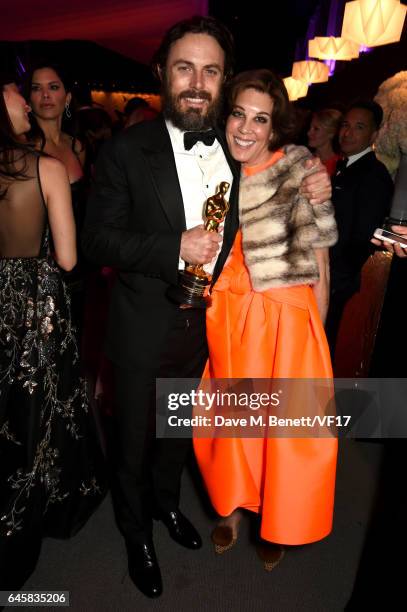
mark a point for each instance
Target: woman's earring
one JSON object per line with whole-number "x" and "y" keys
{"x": 67, "y": 111}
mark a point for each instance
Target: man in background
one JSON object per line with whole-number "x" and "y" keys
{"x": 361, "y": 194}
{"x": 137, "y": 110}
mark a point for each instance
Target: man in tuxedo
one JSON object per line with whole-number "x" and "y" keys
{"x": 145, "y": 219}
{"x": 361, "y": 194}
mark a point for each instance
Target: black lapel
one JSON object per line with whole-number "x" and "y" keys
{"x": 232, "y": 218}
{"x": 348, "y": 176}
{"x": 366, "y": 160}
{"x": 160, "y": 158}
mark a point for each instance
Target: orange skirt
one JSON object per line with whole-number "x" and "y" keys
{"x": 273, "y": 334}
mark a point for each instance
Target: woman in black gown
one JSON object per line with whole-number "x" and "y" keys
{"x": 51, "y": 468}
{"x": 50, "y": 98}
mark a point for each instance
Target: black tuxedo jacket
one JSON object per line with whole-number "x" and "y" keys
{"x": 361, "y": 195}
{"x": 135, "y": 218}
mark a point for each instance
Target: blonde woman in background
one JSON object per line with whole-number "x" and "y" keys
{"x": 324, "y": 127}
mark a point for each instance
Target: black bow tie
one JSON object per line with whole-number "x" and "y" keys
{"x": 191, "y": 138}
{"x": 341, "y": 165}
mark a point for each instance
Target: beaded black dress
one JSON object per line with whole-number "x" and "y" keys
{"x": 52, "y": 472}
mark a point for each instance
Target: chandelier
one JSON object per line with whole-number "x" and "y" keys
{"x": 310, "y": 71}
{"x": 295, "y": 88}
{"x": 332, "y": 48}
{"x": 373, "y": 22}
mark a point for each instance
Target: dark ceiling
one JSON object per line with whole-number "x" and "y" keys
{"x": 130, "y": 27}
{"x": 108, "y": 59}
{"x": 122, "y": 34}
{"x": 266, "y": 33}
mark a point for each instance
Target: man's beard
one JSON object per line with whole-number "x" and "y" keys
{"x": 192, "y": 119}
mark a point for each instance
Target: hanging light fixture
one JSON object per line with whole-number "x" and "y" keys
{"x": 332, "y": 48}
{"x": 295, "y": 88}
{"x": 310, "y": 71}
{"x": 373, "y": 22}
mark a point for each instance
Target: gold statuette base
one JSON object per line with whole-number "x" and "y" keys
{"x": 189, "y": 291}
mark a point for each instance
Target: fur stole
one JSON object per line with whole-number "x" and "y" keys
{"x": 280, "y": 228}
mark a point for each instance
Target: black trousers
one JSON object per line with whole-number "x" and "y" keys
{"x": 147, "y": 471}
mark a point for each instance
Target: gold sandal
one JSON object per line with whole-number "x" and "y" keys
{"x": 224, "y": 538}
{"x": 271, "y": 554}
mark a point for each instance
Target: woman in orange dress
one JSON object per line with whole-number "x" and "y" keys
{"x": 266, "y": 321}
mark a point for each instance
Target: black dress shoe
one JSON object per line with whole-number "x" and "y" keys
{"x": 181, "y": 530}
{"x": 144, "y": 569}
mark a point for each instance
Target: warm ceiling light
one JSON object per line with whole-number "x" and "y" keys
{"x": 310, "y": 71}
{"x": 295, "y": 88}
{"x": 373, "y": 22}
{"x": 332, "y": 48}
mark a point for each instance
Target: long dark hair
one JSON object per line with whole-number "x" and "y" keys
{"x": 36, "y": 134}
{"x": 12, "y": 150}
{"x": 7, "y": 136}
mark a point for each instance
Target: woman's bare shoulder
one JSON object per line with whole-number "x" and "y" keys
{"x": 51, "y": 164}
{"x": 51, "y": 169}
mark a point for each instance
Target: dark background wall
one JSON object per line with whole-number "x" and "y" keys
{"x": 265, "y": 32}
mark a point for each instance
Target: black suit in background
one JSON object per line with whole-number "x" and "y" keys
{"x": 134, "y": 223}
{"x": 361, "y": 195}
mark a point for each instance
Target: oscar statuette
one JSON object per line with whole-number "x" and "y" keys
{"x": 193, "y": 281}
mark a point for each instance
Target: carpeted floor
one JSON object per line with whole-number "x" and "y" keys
{"x": 319, "y": 577}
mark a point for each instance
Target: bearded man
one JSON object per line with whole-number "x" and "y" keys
{"x": 145, "y": 219}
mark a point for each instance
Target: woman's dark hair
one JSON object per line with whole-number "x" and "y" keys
{"x": 196, "y": 25}
{"x": 7, "y": 135}
{"x": 282, "y": 115}
{"x": 36, "y": 134}
{"x": 12, "y": 150}
{"x": 59, "y": 70}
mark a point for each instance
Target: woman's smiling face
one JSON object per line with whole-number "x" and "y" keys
{"x": 249, "y": 127}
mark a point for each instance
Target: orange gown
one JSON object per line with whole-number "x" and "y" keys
{"x": 276, "y": 333}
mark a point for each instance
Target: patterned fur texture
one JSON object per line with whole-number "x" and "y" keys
{"x": 280, "y": 228}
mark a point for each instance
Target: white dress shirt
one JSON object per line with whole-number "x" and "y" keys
{"x": 353, "y": 158}
{"x": 200, "y": 171}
